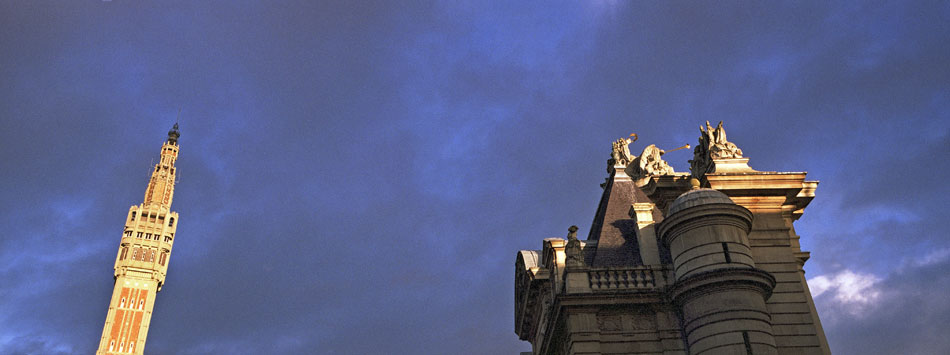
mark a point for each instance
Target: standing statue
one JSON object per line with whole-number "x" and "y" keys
{"x": 573, "y": 252}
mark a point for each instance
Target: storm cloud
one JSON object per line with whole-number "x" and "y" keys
{"x": 356, "y": 178}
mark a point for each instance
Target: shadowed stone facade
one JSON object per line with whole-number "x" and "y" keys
{"x": 677, "y": 263}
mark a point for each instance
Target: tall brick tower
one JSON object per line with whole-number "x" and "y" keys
{"x": 142, "y": 259}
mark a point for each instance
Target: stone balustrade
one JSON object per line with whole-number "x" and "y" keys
{"x": 618, "y": 279}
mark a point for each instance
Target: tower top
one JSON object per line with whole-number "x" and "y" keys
{"x": 173, "y": 134}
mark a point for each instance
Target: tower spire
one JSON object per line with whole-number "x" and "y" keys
{"x": 143, "y": 256}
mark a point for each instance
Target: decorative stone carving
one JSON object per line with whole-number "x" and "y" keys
{"x": 609, "y": 323}
{"x": 712, "y": 146}
{"x": 649, "y": 163}
{"x": 621, "y": 152}
{"x": 573, "y": 251}
{"x": 643, "y": 322}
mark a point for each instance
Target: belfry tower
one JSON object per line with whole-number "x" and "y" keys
{"x": 142, "y": 259}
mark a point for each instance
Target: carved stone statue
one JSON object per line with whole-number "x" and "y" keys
{"x": 721, "y": 148}
{"x": 621, "y": 152}
{"x": 712, "y": 146}
{"x": 651, "y": 163}
{"x": 573, "y": 251}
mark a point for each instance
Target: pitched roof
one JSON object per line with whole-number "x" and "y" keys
{"x": 613, "y": 228}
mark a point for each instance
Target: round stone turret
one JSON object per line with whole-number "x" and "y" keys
{"x": 705, "y": 230}
{"x": 720, "y": 291}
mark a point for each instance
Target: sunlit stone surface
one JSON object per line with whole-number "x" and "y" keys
{"x": 141, "y": 264}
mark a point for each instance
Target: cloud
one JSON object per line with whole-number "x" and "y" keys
{"x": 355, "y": 168}
{"x": 23, "y": 345}
{"x": 931, "y": 258}
{"x": 852, "y": 293}
{"x": 899, "y": 313}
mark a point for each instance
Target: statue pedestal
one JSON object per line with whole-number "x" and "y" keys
{"x": 733, "y": 165}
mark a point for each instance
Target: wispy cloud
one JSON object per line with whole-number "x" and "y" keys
{"x": 850, "y": 292}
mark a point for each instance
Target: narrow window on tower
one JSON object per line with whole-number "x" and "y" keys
{"x": 112, "y": 345}
{"x": 131, "y": 346}
{"x": 161, "y": 259}
{"x": 138, "y": 235}
{"x": 133, "y": 215}
{"x": 748, "y": 345}
{"x": 135, "y": 253}
{"x": 125, "y": 250}
{"x": 725, "y": 250}
{"x": 122, "y": 303}
{"x": 171, "y": 221}
{"x": 149, "y": 236}
{"x": 141, "y": 304}
{"x": 121, "y": 345}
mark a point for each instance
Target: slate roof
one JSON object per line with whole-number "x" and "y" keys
{"x": 613, "y": 228}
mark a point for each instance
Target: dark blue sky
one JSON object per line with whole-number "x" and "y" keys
{"x": 357, "y": 177}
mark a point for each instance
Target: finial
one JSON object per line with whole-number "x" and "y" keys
{"x": 173, "y": 134}
{"x": 572, "y": 233}
{"x": 694, "y": 183}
